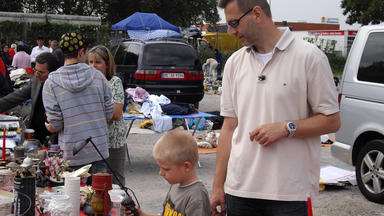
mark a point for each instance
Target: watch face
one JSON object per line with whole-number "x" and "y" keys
{"x": 292, "y": 126}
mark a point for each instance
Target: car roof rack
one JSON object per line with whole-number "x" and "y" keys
{"x": 131, "y": 39}
{"x": 158, "y": 39}
{"x": 172, "y": 39}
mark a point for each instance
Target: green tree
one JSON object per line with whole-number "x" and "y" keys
{"x": 363, "y": 12}
{"x": 177, "y": 12}
{"x": 73, "y": 7}
{"x": 121, "y": 9}
{"x": 11, "y": 5}
{"x": 183, "y": 13}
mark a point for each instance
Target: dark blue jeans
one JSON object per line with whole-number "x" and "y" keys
{"x": 238, "y": 206}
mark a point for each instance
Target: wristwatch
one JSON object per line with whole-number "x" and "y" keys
{"x": 291, "y": 127}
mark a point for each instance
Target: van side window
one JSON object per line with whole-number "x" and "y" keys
{"x": 371, "y": 67}
{"x": 132, "y": 54}
{"x": 120, "y": 54}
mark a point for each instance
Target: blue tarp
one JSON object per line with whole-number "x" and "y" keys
{"x": 143, "y": 21}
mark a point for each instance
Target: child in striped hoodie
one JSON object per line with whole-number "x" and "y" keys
{"x": 78, "y": 102}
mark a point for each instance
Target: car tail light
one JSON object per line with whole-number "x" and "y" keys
{"x": 196, "y": 75}
{"x": 146, "y": 74}
{"x": 339, "y": 98}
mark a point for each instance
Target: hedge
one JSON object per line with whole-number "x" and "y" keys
{"x": 28, "y": 32}
{"x": 337, "y": 63}
{"x": 205, "y": 52}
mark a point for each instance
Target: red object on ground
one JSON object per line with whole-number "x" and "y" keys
{"x": 29, "y": 70}
{"x": 3, "y": 153}
{"x": 309, "y": 203}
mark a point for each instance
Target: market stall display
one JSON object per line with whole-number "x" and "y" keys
{"x": 104, "y": 183}
{"x": 10, "y": 128}
{"x": 26, "y": 166}
{"x": 42, "y": 180}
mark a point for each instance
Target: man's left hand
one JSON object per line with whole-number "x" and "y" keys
{"x": 269, "y": 133}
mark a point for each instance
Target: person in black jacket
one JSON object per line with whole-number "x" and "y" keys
{"x": 58, "y": 52}
{"x": 45, "y": 63}
{"x": 219, "y": 59}
{"x": 5, "y": 81}
{"x": 27, "y": 48}
{"x": 5, "y": 87}
{"x": 7, "y": 58}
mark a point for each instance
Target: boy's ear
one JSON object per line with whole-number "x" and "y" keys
{"x": 188, "y": 165}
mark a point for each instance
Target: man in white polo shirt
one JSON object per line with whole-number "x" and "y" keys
{"x": 278, "y": 98}
{"x": 40, "y": 48}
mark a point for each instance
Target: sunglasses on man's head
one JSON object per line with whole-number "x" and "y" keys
{"x": 234, "y": 23}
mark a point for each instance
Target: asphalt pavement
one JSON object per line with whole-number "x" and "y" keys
{"x": 151, "y": 189}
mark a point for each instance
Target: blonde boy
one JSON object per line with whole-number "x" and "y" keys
{"x": 177, "y": 156}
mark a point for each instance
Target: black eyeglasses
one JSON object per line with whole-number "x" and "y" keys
{"x": 236, "y": 22}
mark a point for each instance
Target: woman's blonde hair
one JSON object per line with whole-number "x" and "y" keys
{"x": 176, "y": 147}
{"x": 104, "y": 53}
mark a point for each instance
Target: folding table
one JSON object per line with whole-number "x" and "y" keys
{"x": 132, "y": 118}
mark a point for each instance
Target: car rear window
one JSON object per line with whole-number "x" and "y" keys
{"x": 169, "y": 55}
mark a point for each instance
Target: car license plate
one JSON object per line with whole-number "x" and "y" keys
{"x": 173, "y": 75}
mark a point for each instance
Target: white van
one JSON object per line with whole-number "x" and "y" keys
{"x": 360, "y": 140}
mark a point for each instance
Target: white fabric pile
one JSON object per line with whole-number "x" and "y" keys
{"x": 151, "y": 107}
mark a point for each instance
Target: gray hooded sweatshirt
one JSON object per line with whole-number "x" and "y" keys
{"x": 78, "y": 102}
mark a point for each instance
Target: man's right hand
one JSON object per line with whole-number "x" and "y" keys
{"x": 50, "y": 128}
{"x": 218, "y": 200}
{"x": 223, "y": 151}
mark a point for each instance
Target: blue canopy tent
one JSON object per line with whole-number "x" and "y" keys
{"x": 144, "y": 21}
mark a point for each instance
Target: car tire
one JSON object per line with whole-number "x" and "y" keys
{"x": 370, "y": 171}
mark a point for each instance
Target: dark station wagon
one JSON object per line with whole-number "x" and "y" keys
{"x": 167, "y": 67}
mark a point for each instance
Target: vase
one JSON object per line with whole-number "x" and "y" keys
{"x": 24, "y": 200}
{"x": 60, "y": 206}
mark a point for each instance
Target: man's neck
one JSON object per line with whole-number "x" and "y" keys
{"x": 71, "y": 61}
{"x": 269, "y": 41}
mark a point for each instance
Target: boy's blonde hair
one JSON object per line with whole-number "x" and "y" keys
{"x": 176, "y": 146}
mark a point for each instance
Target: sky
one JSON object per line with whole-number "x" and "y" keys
{"x": 310, "y": 11}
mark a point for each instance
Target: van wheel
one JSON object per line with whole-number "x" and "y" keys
{"x": 370, "y": 171}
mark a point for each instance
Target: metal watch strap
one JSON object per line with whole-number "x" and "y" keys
{"x": 290, "y": 130}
